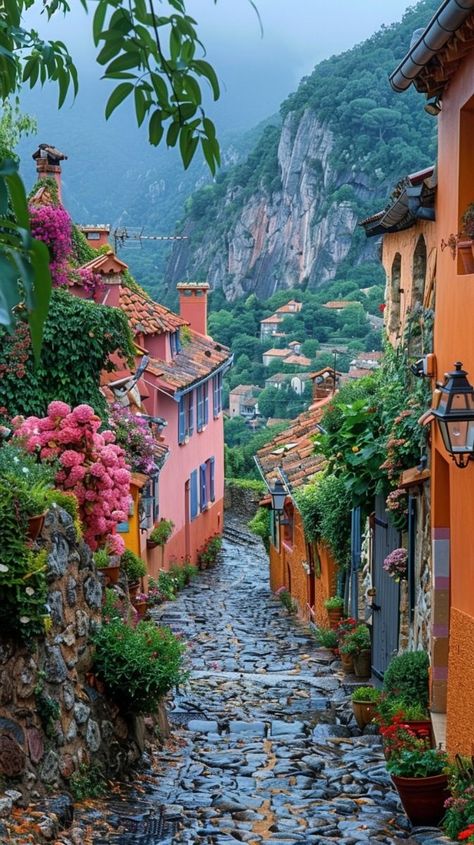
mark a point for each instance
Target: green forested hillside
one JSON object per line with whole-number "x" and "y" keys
{"x": 373, "y": 138}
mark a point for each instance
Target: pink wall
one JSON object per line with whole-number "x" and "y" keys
{"x": 181, "y": 461}
{"x": 158, "y": 346}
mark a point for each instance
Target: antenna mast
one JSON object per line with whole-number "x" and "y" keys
{"x": 127, "y": 237}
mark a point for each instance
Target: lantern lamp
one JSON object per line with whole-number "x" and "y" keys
{"x": 278, "y": 494}
{"x": 455, "y": 416}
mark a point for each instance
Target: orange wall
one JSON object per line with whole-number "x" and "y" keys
{"x": 288, "y": 567}
{"x": 454, "y": 341}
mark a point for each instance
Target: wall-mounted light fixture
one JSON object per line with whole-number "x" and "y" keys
{"x": 278, "y": 494}
{"x": 455, "y": 416}
{"x": 433, "y": 106}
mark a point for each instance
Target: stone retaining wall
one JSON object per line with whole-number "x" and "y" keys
{"x": 37, "y": 754}
{"x": 241, "y": 501}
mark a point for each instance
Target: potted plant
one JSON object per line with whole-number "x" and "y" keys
{"x": 160, "y": 534}
{"x": 140, "y": 603}
{"x": 419, "y": 775}
{"x": 364, "y": 705}
{"x": 458, "y": 823}
{"x": 465, "y": 242}
{"x": 110, "y": 566}
{"x": 326, "y": 638}
{"x": 357, "y": 645}
{"x": 345, "y": 627}
{"x": 134, "y": 568}
{"x": 334, "y": 606}
{"x": 413, "y": 716}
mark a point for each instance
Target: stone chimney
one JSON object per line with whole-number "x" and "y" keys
{"x": 96, "y": 236}
{"x": 48, "y": 164}
{"x": 193, "y": 304}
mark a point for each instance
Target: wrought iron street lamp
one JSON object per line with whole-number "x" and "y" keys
{"x": 278, "y": 494}
{"x": 455, "y": 416}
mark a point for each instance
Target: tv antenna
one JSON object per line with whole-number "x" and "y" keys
{"x": 127, "y": 237}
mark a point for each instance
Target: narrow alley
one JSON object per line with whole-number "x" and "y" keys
{"x": 263, "y": 747}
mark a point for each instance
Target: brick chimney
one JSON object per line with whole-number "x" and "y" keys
{"x": 96, "y": 236}
{"x": 48, "y": 165}
{"x": 193, "y": 304}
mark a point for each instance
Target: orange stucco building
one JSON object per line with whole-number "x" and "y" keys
{"x": 441, "y": 64}
{"x": 306, "y": 569}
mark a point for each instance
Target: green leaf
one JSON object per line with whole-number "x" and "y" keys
{"x": 187, "y": 146}
{"x": 117, "y": 96}
{"x": 98, "y": 21}
{"x": 37, "y": 317}
{"x": 155, "y": 128}
{"x": 123, "y": 62}
{"x": 140, "y": 105}
{"x": 172, "y": 134}
{"x": 18, "y": 199}
{"x": 205, "y": 69}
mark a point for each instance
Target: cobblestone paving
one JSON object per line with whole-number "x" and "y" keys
{"x": 266, "y": 750}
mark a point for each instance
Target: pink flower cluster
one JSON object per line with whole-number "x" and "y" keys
{"x": 52, "y": 225}
{"x": 91, "y": 465}
{"x": 396, "y": 564}
{"x": 133, "y": 434}
{"x": 87, "y": 279}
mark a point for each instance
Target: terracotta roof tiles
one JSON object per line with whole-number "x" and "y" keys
{"x": 146, "y": 316}
{"x": 198, "y": 358}
{"x": 292, "y": 451}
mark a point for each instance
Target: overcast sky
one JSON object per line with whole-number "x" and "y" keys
{"x": 256, "y": 72}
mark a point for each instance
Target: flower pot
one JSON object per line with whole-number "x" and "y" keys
{"x": 132, "y": 590}
{"x": 141, "y": 608}
{"x": 347, "y": 663}
{"x": 423, "y": 798}
{"x": 35, "y": 524}
{"x": 111, "y": 574}
{"x": 362, "y": 664}
{"x": 466, "y": 252}
{"x": 364, "y": 712}
{"x": 422, "y": 728}
{"x": 150, "y": 544}
{"x": 334, "y": 617}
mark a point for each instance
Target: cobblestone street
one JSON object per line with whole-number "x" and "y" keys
{"x": 264, "y": 746}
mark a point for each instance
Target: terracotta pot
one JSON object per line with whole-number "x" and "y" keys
{"x": 133, "y": 590}
{"x": 423, "y": 798}
{"x": 111, "y": 574}
{"x": 150, "y": 544}
{"x": 141, "y": 608}
{"x": 35, "y": 524}
{"x": 334, "y": 617}
{"x": 466, "y": 252}
{"x": 347, "y": 663}
{"x": 364, "y": 712}
{"x": 362, "y": 664}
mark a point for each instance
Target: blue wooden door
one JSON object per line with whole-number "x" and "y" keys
{"x": 386, "y": 600}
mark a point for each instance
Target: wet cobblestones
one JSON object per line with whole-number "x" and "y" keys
{"x": 265, "y": 749}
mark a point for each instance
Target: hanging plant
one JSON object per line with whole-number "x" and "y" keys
{"x": 395, "y": 564}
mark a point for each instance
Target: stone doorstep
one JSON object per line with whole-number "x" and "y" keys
{"x": 438, "y": 722}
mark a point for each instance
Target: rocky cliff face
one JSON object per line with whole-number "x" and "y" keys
{"x": 297, "y": 234}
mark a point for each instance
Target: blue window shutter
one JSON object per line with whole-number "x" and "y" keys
{"x": 212, "y": 477}
{"x": 199, "y": 408}
{"x": 205, "y": 391}
{"x": 181, "y": 421}
{"x": 193, "y": 486}
{"x": 178, "y": 342}
{"x": 190, "y": 412}
{"x": 203, "y": 486}
{"x": 214, "y": 396}
{"x": 219, "y": 392}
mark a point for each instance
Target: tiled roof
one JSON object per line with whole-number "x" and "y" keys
{"x": 278, "y": 378}
{"x": 339, "y": 303}
{"x": 273, "y": 319}
{"x": 298, "y": 359}
{"x": 242, "y": 389}
{"x": 106, "y": 262}
{"x": 288, "y": 309}
{"x": 146, "y": 316}
{"x": 292, "y": 452}
{"x": 198, "y": 358}
{"x": 277, "y": 353}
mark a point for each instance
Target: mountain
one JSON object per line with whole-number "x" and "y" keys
{"x": 288, "y": 214}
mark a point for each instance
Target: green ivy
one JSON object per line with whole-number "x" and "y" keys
{"x": 79, "y": 337}
{"x": 22, "y": 571}
{"x": 260, "y": 525}
{"x": 325, "y": 508}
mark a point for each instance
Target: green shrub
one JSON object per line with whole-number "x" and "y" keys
{"x": 138, "y": 665}
{"x": 167, "y": 584}
{"x": 334, "y": 603}
{"x": 162, "y": 532}
{"x": 68, "y": 502}
{"x": 287, "y": 600}
{"x": 366, "y": 694}
{"x": 101, "y": 559}
{"x": 17, "y": 463}
{"x": 247, "y": 484}
{"x": 260, "y": 525}
{"x": 418, "y": 763}
{"x": 407, "y": 678}
{"x": 133, "y": 566}
{"x": 356, "y": 642}
{"x": 87, "y": 782}
{"x": 326, "y": 637}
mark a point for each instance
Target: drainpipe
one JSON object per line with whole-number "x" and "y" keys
{"x": 447, "y": 20}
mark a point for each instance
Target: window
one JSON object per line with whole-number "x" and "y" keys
{"x": 175, "y": 343}
{"x": 419, "y": 272}
{"x": 205, "y": 394}
{"x": 181, "y": 421}
{"x": 186, "y": 416}
{"x": 93, "y": 236}
{"x": 288, "y": 525}
{"x": 190, "y": 413}
{"x": 212, "y": 479}
{"x": 217, "y": 394}
{"x": 200, "y": 408}
{"x": 203, "y": 486}
{"x": 149, "y": 506}
{"x": 193, "y": 492}
{"x": 395, "y": 291}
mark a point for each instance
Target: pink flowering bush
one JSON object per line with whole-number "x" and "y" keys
{"x": 91, "y": 465}
{"x": 397, "y": 506}
{"x": 52, "y": 225}
{"x": 91, "y": 282}
{"x": 133, "y": 434}
{"x": 396, "y": 564}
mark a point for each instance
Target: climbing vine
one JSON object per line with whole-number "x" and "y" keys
{"x": 79, "y": 338}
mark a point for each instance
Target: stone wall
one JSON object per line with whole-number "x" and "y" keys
{"x": 38, "y": 753}
{"x": 241, "y": 501}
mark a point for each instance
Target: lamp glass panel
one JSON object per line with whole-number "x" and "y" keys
{"x": 460, "y": 402}
{"x": 445, "y": 435}
{"x": 457, "y": 433}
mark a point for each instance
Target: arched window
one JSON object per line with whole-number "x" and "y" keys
{"x": 419, "y": 272}
{"x": 395, "y": 284}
